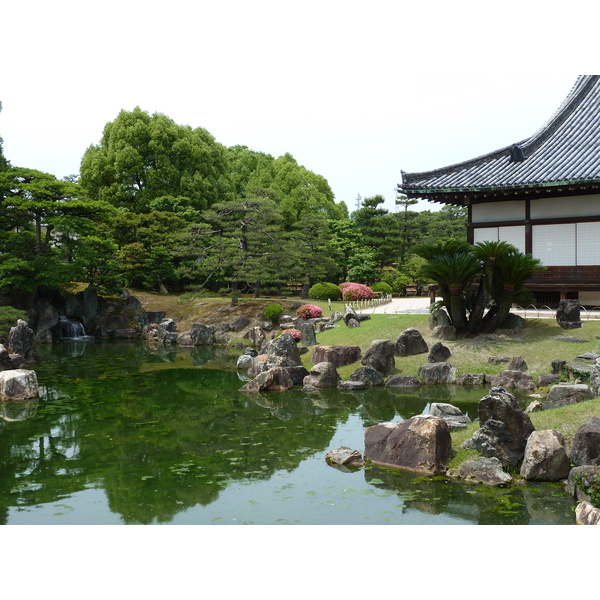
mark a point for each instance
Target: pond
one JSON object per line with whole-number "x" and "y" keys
{"x": 128, "y": 433}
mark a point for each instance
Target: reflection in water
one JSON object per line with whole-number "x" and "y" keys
{"x": 167, "y": 436}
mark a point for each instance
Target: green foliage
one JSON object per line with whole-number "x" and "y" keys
{"x": 325, "y": 291}
{"x": 142, "y": 158}
{"x": 8, "y": 319}
{"x": 273, "y": 312}
{"x": 473, "y": 278}
{"x": 381, "y": 286}
{"x": 591, "y": 488}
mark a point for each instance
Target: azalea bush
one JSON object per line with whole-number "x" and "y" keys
{"x": 295, "y": 333}
{"x": 356, "y": 291}
{"x": 309, "y": 311}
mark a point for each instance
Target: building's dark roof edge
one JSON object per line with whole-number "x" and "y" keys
{"x": 496, "y": 188}
{"x": 528, "y": 145}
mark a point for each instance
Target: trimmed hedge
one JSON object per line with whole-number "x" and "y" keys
{"x": 325, "y": 291}
{"x": 383, "y": 287}
{"x": 273, "y": 312}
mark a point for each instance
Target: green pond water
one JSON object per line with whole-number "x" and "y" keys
{"x": 127, "y": 433}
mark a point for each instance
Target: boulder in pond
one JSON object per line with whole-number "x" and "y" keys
{"x": 545, "y": 457}
{"x": 587, "y": 514}
{"x": 402, "y": 381}
{"x": 283, "y": 347}
{"x": 276, "y": 379}
{"x": 21, "y": 340}
{"x": 18, "y": 384}
{"x": 421, "y": 443}
{"x": 455, "y": 418}
{"x": 322, "y": 375}
{"x": 504, "y": 428}
{"x": 368, "y": 375}
{"x": 437, "y": 373}
{"x": 344, "y": 457}
{"x": 482, "y": 470}
{"x": 582, "y": 482}
{"x": 201, "y": 335}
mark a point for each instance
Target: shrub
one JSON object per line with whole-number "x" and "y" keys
{"x": 273, "y": 312}
{"x": 325, "y": 291}
{"x": 356, "y": 291}
{"x": 295, "y": 333}
{"x": 381, "y": 286}
{"x": 309, "y": 311}
{"x": 8, "y": 319}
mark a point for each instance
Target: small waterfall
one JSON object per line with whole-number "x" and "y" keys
{"x": 72, "y": 330}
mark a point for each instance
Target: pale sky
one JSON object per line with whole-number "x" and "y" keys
{"x": 355, "y": 91}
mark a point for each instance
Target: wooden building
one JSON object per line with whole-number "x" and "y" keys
{"x": 541, "y": 194}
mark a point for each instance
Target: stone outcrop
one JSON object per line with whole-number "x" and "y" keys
{"x": 439, "y": 353}
{"x": 18, "y": 384}
{"x": 568, "y": 314}
{"x": 402, "y": 381}
{"x": 21, "y": 340}
{"x": 337, "y": 355}
{"x": 451, "y": 414}
{"x": 567, "y": 394}
{"x": 545, "y": 457}
{"x": 276, "y": 379}
{"x": 368, "y": 375}
{"x": 504, "y": 428}
{"x": 585, "y": 449}
{"x": 513, "y": 379}
{"x": 517, "y": 363}
{"x": 344, "y": 458}
{"x": 421, "y": 443}
{"x": 201, "y": 335}
{"x": 283, "y": 347}
{"x": 437, "y": 373}
{"x": 322, "y": 375}
{"x": 471, "y": 379}
{"x": 410, "y": 342}
{"x": 583, "y": 481}
{"x": 379, "y": 355}
{"x": 482, "y": 470}
{"x": 587, "y": 514}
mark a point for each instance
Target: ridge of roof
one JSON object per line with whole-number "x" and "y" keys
{"x": 517, "y": 152}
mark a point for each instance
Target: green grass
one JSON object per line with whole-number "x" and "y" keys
{"x": 535, "y": 343}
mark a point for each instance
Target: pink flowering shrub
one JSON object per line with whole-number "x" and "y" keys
{"x": 309, "y": 311}
{"x": 356, "y": 291}
{"x": 295, "y": 333}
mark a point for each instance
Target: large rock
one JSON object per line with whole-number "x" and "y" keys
{"x": 201, "y": 335}
{"x": 276, "y": 379}
{"x": 450, "y": 413}
{"x": 21, "y": 340}
{"x": 567, "y": 394}
{"x": 587, "y": 514}
{"x": 402, "y": 381}
{"x": 322, "y": 375}
{"x": 18, "y": 384}
{"x": 595, "y": 378}
{"x": 47, "y": 317}
{"x": 482, "y": 470}
{"x": 444, "y": 332}
{"x": 421, "y": 443}
{"x": 585, "y": 449}
{"x": 410, "y": 342}
{"x": 367, "y": 375}
{"x": 439, "y": 353}
{"x": 344, "y": 457}
{"x": 256, "y": 336}
{"x": 379, "y": 355}
{"x": 337, "y": 355}
{"x": 309, "y": 337}
{"x": 504, "y": 428}
{"x": 147, "y": 317}
{"x": 568, "y": 314}
{"x": 583, "y": 482}
{"x": 435, "y": 373}
{"x": 517, "y": 363}
{"x": 545, "y": 457}
{"x": 284, "y": 346}
{"x": 513, "y": 379}
{"x": 350, "y": 315}
{"x": 439, "y": 318}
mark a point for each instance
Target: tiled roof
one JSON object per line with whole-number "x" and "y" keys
{"x": 565, "y": 150}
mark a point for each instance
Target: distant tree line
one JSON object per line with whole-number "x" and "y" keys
{"x": 161, "y": 206}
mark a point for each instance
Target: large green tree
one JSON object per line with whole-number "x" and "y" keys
{"x": 43, "y": 223}
{"x": 143, "y": 157}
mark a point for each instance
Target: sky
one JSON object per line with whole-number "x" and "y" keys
{"x": 355, "y": 91}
